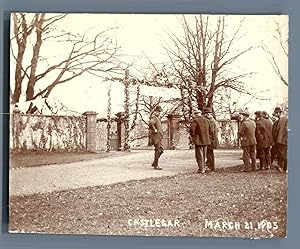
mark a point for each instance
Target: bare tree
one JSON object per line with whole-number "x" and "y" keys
{"x": 228, "y": 104}
{"x": 203, "y": 59}
{"x": 281, "y": 38}
{"x": 83, "y": 54}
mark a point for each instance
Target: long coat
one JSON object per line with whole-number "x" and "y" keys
{"x": 200, "y": 131}
{"x": 275, "y": 131}
{"x": 263, "y": 134}
{"x": 156, "y": 130}
{"x": 280, "y": 130}
{"x": 270, "y": 128}
{"x": 213, "y": 136}
{"x": 247, "y": 132}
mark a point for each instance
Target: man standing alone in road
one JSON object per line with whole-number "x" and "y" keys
{"x": 199, "y": 131}
{"x": 247, "y": 135}
{"x": 156, "y": 134}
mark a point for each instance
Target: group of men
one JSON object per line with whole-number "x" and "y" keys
{"x": 263, "y": 139}
{"x": 203, "y": 131}
{"x": 260, "y": 138}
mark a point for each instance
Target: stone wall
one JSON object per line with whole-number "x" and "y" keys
{"x": 227, "y": 135}
{"x": 84, "y": 132}
{"x": 48, "y": 133}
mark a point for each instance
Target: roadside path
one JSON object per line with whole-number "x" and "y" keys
{"x": 120, "y": 168}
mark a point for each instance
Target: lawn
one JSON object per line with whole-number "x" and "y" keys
{"x": 31, "y": 159}
{"x": 226, "y": 195}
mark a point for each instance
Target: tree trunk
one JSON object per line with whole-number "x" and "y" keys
{"x": 201, "y": 101}
{"x": 35, "y": 57}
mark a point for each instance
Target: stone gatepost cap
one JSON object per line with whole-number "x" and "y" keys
{"x": 90, "y": 113}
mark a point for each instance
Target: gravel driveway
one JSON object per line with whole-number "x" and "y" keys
{"x": 120, "y": 168}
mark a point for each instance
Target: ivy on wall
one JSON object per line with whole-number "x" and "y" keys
{"x": 48, "y": 133}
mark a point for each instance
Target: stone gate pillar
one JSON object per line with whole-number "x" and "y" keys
{"x": 173, "y": 126}
{"x": 90, "y": 131}
{"x": 120, "y": 124}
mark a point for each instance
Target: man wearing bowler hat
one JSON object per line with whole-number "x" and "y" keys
{"x": 199, "y": 131}
{"x": 247, "y": 135}
{"x": 213, "y": 138}
{"x": 156, "y": 135}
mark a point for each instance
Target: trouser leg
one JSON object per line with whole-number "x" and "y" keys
{"x": 285, "y": 158}
{"x": 156, "y": 156}
{"x": 274, "y": 153}
{"x": 158, "y": 151}
{"x": 282, "y": 156}
{"x": 252, "y": 156}
{"x": 200, "y": 153}
{"x": 268, "y": 157}
{"x": 197, "y": 155}
{"x": 260, "y": 155}
{"x": 161, "y": 148}
{"x": 285, "y": 165}
{"x": 210, "y": 158}
{"x": 246, "y": 157}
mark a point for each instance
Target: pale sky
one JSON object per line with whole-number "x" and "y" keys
{"x": 139, "y": 34}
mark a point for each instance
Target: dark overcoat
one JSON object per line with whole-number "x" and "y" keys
{"x": 281, "y": 131}
{"x": 247, "y": 132}
{"x": 200, "y": 131}
{"x": 270, "y": 128}
{"x": 263, "y": 134}
{"x": 275, "y": 131}
{"x": 156, "y": 130}
{"x": 213, "y": 136}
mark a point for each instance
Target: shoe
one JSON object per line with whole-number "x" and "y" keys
{"x": 157, "y": 168}
{"x": 245, "y": 170}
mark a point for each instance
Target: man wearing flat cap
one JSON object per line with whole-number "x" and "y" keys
{"x": 263, "y": 139}
{"x": 280, "y": 136}
{"x": 156, "y": 135}
{"x": 248, "y": 141}
{"x": 213, "y": 136}
{"x": 199, "y": 131}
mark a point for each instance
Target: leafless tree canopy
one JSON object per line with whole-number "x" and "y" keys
{"x": 203, "y": 59}
{"x": 282, "y": 39}
{"x": 85, "y": 55}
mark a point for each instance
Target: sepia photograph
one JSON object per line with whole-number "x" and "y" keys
{"x": 149, "y": 124}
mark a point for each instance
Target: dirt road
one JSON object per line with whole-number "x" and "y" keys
{"x": 122, "y": 167}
